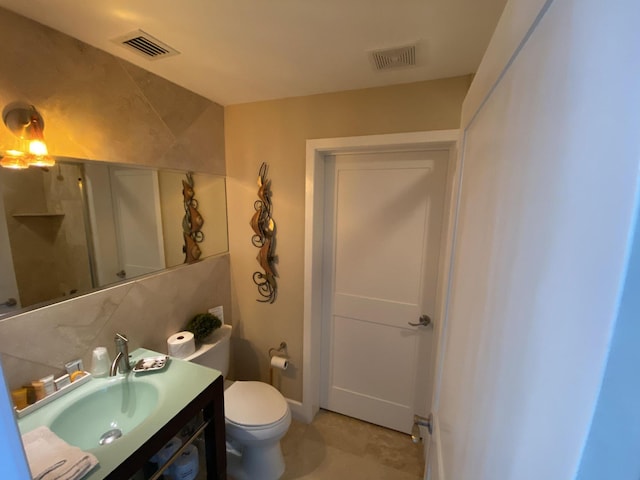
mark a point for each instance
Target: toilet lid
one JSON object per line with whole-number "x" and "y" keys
{"x": 253, "y": 404}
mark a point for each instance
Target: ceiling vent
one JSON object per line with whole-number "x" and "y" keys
{"x": 393, "y": 58}
{"x": 145, "y": 45}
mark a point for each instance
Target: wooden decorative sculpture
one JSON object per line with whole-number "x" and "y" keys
{"x": 191, "y": 222}
{"x": 264, "y": 238}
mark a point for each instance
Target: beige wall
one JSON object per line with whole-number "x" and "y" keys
{"x": 275, "y": 132}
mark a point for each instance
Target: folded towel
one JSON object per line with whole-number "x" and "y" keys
{"x": 51, "y": 458}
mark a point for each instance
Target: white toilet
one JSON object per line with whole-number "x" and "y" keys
{"x": 256, "y": 416}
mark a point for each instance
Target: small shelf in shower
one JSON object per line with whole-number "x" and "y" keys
{"x": 38, "y": 214}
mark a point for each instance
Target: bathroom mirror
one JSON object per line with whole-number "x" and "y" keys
{"x": 83, "y": 225}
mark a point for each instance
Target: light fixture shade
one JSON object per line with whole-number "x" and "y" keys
{"x": 38, "y": 148}
{"x": 41, "y": 161}
{"x": 23, "y": 120}
{"x": 14, "y": 159}
{"x": 28, "y": 125}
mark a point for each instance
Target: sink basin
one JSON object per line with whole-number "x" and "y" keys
{"x": 106, "y": 413}
{"x": 139, "y": 405}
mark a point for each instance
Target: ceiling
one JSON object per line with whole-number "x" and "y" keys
{"x": 237, "y": 51}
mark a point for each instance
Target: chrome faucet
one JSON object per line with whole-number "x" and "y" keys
{"x": 122, "y": 356}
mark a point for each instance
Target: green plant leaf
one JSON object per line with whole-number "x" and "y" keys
{"x": 202, "y": 325}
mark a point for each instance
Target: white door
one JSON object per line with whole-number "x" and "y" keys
{"x": 382, "y": 242}
{"x": 136, "y": 207}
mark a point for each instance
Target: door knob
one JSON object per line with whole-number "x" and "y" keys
{"x": 424, "y": 321}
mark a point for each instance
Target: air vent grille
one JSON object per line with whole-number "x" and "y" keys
{"x": 393, "y": 58}
{"x": 145, "y": 45}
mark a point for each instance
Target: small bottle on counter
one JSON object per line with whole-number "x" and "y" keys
{"x": 74, "y": 366}
{"x": 39, "y": 389}
{"x": 48, "y": 385}
{"x": 62, "y": 381}
{"x": 19, "y": 397}
{"x": 31, "y": 394}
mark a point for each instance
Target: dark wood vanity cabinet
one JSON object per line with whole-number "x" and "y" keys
{"x": 209, "y": 406}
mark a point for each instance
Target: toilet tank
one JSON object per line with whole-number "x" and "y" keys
{"x": 214, "y": 353}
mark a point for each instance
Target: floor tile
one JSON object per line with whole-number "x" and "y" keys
{"x": 339, "y": 447}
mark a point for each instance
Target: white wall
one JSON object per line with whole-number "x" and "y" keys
{"x": 549, "y": 184}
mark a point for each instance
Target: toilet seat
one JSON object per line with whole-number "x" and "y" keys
{"x": 256, "y": 428}
{"x": 254, "y": 405}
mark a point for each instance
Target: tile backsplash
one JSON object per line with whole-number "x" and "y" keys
{"x": 39, "y": 342}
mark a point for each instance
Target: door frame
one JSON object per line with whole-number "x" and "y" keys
{"x": 8, "y": 281}
{"x": 316, "y": 152}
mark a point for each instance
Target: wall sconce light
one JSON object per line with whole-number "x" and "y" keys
{"x": 27, "y": 124}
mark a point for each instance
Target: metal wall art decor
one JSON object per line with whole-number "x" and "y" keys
{"x": 264, "y": 238}
{"x": 191, "y": 222}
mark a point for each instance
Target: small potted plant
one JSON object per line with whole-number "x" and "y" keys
{"x": 203, "y": 325}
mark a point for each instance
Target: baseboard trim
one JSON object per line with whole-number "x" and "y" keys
{"x": 298, "y": 412}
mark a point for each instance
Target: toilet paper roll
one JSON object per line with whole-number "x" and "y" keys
{"x": 185, "y": 466}
{"x": 181, "y": 344}
{"x": 280, "y": 363}
{"x": 165, "y": 452}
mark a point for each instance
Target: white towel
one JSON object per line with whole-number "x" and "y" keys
{"x": 51, "y": 458}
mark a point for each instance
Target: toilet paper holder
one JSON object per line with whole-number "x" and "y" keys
{"x": 273, "y": 354}
{"x": 281, "y": 349}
